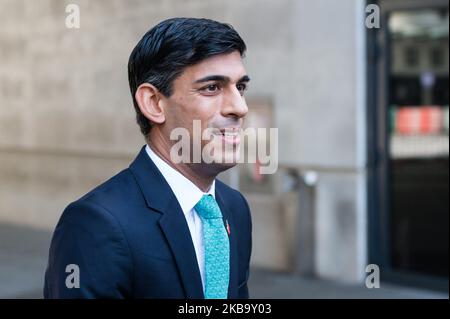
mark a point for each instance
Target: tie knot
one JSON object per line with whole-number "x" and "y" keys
{"x": 208, "y": 208}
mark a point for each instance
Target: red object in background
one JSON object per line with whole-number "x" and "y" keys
{"x": 423, "y": 120}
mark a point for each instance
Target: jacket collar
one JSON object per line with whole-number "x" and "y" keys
{"x": 157, "y": 192}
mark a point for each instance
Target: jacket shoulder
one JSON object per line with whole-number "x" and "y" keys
{"x": 115, "y": 192}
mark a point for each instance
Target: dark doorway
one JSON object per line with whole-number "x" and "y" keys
{"x": 409, "y": 224}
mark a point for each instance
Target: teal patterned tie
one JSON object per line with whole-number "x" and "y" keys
{"x": 217, "y": 248}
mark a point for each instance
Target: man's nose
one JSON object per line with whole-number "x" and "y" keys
{"x": 234, "y": 104}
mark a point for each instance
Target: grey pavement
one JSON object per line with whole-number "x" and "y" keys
{"x": 23, "y": 258}
{"x": 266, "y": 284}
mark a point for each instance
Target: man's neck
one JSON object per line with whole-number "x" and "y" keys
{"x": 203, "y": 182}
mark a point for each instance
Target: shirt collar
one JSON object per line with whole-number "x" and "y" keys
{"x": 186, "y": 192}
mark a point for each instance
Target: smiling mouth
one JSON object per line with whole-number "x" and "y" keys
{"x": 229, "y": 131}
{"x": 229, "y": 135}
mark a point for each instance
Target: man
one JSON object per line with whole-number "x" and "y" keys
{"x": 165, "y": 228}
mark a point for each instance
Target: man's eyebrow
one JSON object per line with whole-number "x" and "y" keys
{"x": 221, "y": 78}
{"x": 245, "y": 78}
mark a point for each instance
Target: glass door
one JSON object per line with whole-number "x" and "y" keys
{"x": 410, "y": 224}
{"x": 418, "y": 142}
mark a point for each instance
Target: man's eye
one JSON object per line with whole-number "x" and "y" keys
{"x": 211, "y": 88}
{"x": 241, "y": 87}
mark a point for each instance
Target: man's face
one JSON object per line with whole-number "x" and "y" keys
{"x": 211, "y": 91}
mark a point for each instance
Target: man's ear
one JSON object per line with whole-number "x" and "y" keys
{"x": 150, "y": 103}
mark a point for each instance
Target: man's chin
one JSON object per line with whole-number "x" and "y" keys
{"x": 219, "y": 165}
{"x": 226, "y": 159}
{"x": 225, "y": 166}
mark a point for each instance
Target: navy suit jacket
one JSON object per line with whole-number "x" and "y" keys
{"x": 130, "y": 239}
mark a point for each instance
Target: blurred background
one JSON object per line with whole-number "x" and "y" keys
{"x": 363, "y": 121}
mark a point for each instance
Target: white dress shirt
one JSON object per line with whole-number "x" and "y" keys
{"x": 188, "y": 195}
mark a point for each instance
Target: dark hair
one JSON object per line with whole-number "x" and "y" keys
{"x": 174, "y": 44}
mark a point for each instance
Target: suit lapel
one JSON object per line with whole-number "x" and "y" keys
{"x": 175, "y": 228}
{"x": 159, "y": 196}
